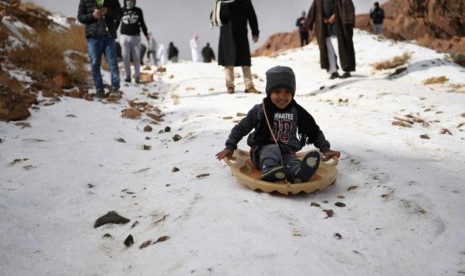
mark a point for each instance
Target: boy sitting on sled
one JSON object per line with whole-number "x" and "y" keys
{"x": 274, "y": 152}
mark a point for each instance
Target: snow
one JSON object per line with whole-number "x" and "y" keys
{"x": 403, "y": 195}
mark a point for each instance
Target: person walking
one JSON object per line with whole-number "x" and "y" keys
{"x": 233, "y": 48}
{"x": 152, "y": 49}
{"x": 207, "y": 53}
{"x": 301, "y": 23}
{"x": 173, "y": 53}
{"x": 131, "y": 25}
{"x": 101, "y": 19}
{"x": 377, "y": 17}
{"x": 194, "y": 44}
{"x": 333, "y": 22}
{"x": 161, "y": 54}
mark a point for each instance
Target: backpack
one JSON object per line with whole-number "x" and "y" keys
{"x": 219, "y": 15}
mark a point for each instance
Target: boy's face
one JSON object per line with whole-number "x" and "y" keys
{"x": 281, "y": 97}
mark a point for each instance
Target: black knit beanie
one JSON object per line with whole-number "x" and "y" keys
{"x": 280, "y": 76}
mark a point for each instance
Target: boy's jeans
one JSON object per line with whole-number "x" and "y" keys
{"x": 98, "y": 46}
{"x": 269, "y": 156}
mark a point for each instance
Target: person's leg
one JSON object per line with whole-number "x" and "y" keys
{"x": 126, "y": 53}
{"x": 304, "y": 39}
{"x": 112, "y": 60}
{"x": 229, "y": 77}
{"x": 247, "y": 72}
{"x": 94, "y": 48}
{"x": 347, "y": 56}
{"x": 135, "y": 53}
{"x": 302, "y": 171}
{"x": 291, "y": 162}
{"x": 154, "y": 59}
{"x": 270, "y": 163}
{"x": 378, "y": 28}
{"x": 331, "y": 57}
{"x": 270, "y": 157}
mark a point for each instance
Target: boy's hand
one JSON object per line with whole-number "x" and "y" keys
{"x": 224, "y": 153}
{"x": 330, "y": 154}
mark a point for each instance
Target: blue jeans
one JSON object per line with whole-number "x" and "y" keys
{"x": 98, "y": 46}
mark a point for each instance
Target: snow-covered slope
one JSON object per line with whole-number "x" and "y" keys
{"x": 404, "y": 195}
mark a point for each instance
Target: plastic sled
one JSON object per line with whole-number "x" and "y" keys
{"x": 246, "y": 173}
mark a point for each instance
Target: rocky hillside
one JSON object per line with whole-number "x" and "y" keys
{"x": 27, "y": 46}
{"x": 438, "y": 24}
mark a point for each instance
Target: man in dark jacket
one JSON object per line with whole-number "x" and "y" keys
{"x": 101, "y": 19}
{"x": 331, "y": 20}
{"x": 301, "y": 23}
{"x": 377, "y": 17}
{"x": 233, "y": 48}
{"x": 131, "y": 25}
{"x": 207, "y": 53}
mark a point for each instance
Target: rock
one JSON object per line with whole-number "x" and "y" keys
{"x": 63, "y": 80}
{"x": 12, "y": 105}
{"x": 131, "y": 113}
{"x": 148, "y": 128}
{"x": 110, "y": 217}
{"x": 129, "y": 241}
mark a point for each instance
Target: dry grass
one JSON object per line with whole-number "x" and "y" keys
{"x": 425, "y": 41}
{"x": 458, "y": 59}
{"x": 46, "y": 57}
{"x": 392, "y": 63}
{"x": 10, "y": 82}
{"x": 436, "y": 80}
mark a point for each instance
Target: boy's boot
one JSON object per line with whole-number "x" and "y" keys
{"x": 273, "y": 174}
{"x": 308, "y": 167}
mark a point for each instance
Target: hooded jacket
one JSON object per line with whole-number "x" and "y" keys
{"x": 111, "y": 19}
{"x": 293, "y": 127}
{"x": 133, "y": 21}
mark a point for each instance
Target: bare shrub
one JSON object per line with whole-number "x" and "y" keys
{"x": 46, "y": 57}
{"x": 458, "y": 58}
{"x": 436, "y": 80}
{"x": 393, "y": 63}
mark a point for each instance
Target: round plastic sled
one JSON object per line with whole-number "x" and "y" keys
{"x": 246, "y": 173}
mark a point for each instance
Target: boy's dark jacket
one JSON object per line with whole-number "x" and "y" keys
{"x": 302, "y": 125}
{"x": 112, "y": 18}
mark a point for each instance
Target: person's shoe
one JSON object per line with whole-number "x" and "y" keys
{"x": 137, "y": 80}
{"x": 128, "y": 79}
{"x": 100, "y": 93}
{"x": 346, "y": 75}
{"x": 230, "y": 90}
{"x": 115, "y": 91}
{"x": 334, "y": 75}
{"x": 274, "y": 174}
{"x": 252, "y": 90}
{"x": 308, "y": 167}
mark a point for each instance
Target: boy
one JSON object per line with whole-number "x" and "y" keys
{"x": 274, "y": 153}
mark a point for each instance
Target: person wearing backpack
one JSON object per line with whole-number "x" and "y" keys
{"x": 233, "y": 47}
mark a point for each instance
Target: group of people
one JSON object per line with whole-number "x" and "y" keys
{"x": 208, "y": 55}
{"x": 102, "y": 18}
{"x": 281, "y": 127}
{"x": 332, "y": 22}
